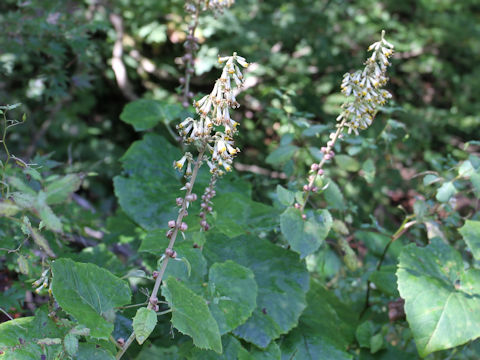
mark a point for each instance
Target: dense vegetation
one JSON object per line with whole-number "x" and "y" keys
{"x": 378, "y": 257}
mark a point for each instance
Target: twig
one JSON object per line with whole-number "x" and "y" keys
{"x": 118, "y": 66}
{"x": 153, "y": 297}
{"x": 190, "y": 56}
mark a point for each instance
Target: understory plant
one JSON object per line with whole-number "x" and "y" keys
{"x": 202, "y": 262}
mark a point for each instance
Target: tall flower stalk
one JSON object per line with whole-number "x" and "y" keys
{"x": 364, "y": 92}
{"x": 212, "y": 136}
{"x": 194, "y": 8}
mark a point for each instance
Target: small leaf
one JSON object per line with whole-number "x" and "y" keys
{"x": 8, "y": 208}
{"x": 446, "y": 191}
{"x": 376, "y": 343}
{"x": 144, "y": 114}
{"x": 369, "y": 170}
{"x": 286, "y": 197}
{"x": 471, "y": 234}
{"x": 191, "y": 316}
{"x": 364, "y": 333}
{"x": 88, "y": 293}
{"x": 70, "y": 344}
{"x": 22, "y": 264}
{"x": 334, "y": 196}
{"x": 466, "y": 169}
{"x": 430, "y": 179}
{"x": 40, "y": 240}
{"x": 305, "y": 236}
{"x": 49, "y": 219}
{"x": 60, "y": 189}
{"x": 143, "y": 324}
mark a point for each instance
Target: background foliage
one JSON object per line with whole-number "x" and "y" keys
{"x": 100, "y": 192}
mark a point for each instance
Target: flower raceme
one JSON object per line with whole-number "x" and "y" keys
{"x": 213, "y": 132}
{"x": 366, "y": 87}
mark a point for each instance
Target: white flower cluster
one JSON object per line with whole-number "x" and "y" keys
{"x": 366, "y": 87}
{"x": 218, "y": 5}
{"x": 215, "y": 128}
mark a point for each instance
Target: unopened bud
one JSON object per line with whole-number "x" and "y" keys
{"x": 304, "y": 217}
{"x": 121, "y": 341}
{"x": 153, "y": 300}
{"x": 297, "y": 206}
{"x": 155, "y": 274}
{"x": 179, "y": 201}
{"x": 314, "y": 167}
{"x": 320, "y": 172}
{"x": 171, "y": 224}
{"x": 170, "y": 253}
{"x": 203, "y": 223}
{"x": 306, "y": 188}
{"x": 183, "y": 227}
{"x": 169, "y": 233}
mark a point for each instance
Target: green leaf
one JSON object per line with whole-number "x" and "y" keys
{"x": 191, "y": 316}
{"x": 88, "y": 293}
{"x": 364, "y": 333}
{"x": 18, "y": 338}
{"x": 430, "y": 179}
{"x": 237, "y": 214}
{"x": 148, "y": 190}
{"x": 272, "y": 352}
{"x": 446, "y": 191}
{"x": 325, "y": 330}
{"x": 233, "y": 292}
{"x": 70, "y": 344}
{"x": 40, "y": 241}
{"x": 286, "y": 197}
{"x": 60, "y": 189}
{"x": 369, "y": 170}
{"x": 144, "y": 114}
{"x": 442, "y": 300}
{"x": 334, "y": 196}
{"x": 144, "y": 322}
{"x": 281, "y": 155}
{"x": 281, "y": 294}
{"x": 93, "y": 352}
{"x": 466, "y": 169}
{"x": 45, "y": 213}
{"x": 8, "y": 208}
{"x": 475, "y": 180}
{"x": 471, "y": 234}
{"x": 305, "y": 236}
{"x": 376, "y": 343}
{"x": 232, "y": 349}
{"x": 385, "y": 280}
{"x": 347, "y": 163}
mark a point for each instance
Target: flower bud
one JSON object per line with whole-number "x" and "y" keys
{"x": 169, "y": 233}
{"x": 297, "y": 206}
{"x": 314, "y": 167}
{"x": 320, "y": 172}
{"x": 183, "y": 227}
{"x": 153, "y": 300}
{"x": 179, "y": 201}
{"x": 171, "y": 224}
{"x": 155, "y": 274}
{"x": 306, "y": 188}
{"x": 304, "y": 217}
{"x": 170, "y": 253}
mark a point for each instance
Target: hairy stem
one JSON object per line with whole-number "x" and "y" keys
{"x": 153, "y": 297}
{"x": 330, "y": 145}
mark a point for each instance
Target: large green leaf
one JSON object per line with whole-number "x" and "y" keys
{"x": 143, "y": 323}
{"x": 281, "y": 155}
{"x": 237, "y": 214}
{"x": 325, "y": 330}
{"x": 148, "y": 190}
{"x": 442, "y": 300}
{"x": 232, "y": 349}
{"x": 143, "y": 114}
{"x": 88, "y": 293}
{"x": 191, "y": 316}
{"x": 281, "y": 278}
{"x": 234, "y": 292}
{"x": 18, "y": 338}
{"x": 471, "y": 234}
{"x": 305, "y": 236}
{"x": 93, "y": 352}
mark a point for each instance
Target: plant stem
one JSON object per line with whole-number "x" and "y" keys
{"x": 406, "y": 224}
{"x": 4, "y": 137}
{"x": 191, "y": 51}
{"x": 158, "y": 280}
{"x": 322, "y": 162}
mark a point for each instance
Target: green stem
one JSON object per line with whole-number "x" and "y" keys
{"x": 159, "y": 278}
